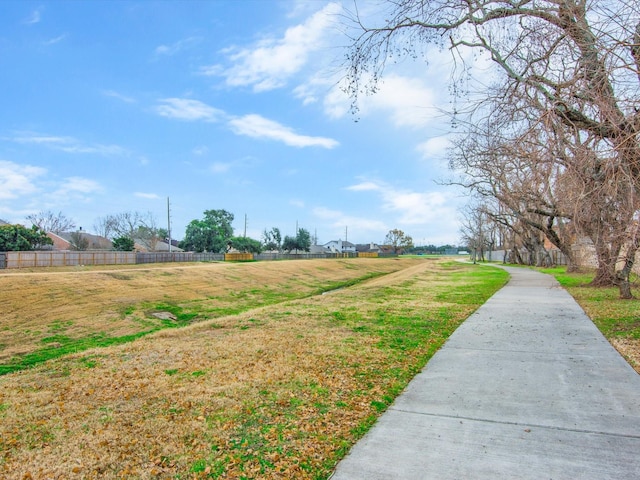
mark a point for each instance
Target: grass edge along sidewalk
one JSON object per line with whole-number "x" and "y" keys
{"x": 278, "y": 392}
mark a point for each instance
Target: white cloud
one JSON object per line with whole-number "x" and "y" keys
{"x": 364, "y": 186}
{"x": 271, "y": 62}
{"x": 78, "y": 185}
{"x": 244, "y": 163}
{"x": 252, "y": 125}
{"x": 220, "y": 167}
{"x": 434, "y": 147}
{"x": 406, "y": 101}
{"x": 17, "y": 180}
{"x": 55, "y": 40}
{"x": 340, "y": 220}
{"x": 411, "y": 208}
{"x": 147, "y": 196}
{"x": 188, "y": 109}
{"x": 201, "y": 150}
{"x": 176, "y": 47}
{"x": 256, "y": 126}
{"x": 119, "y": 96}
{"x": 69, "y": 144}
{"x": 296, "y": 203}
{"x": 34, "y": 17}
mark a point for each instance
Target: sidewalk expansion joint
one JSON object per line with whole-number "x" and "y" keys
{"x": 517, "y": 424}
{"x": 532, "y": 352}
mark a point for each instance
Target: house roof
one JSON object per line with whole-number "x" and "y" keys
{"x": 318, "y": 249}
{"x": 95, "y": 241}
{"x": 343, "y": 242}
{"x": 159, "y": 246}
{"x": 367, "y": 247}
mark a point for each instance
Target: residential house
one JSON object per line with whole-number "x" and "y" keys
{"x": 340, "y": 246}
{"x": 67, "y": 241}
{"x": 368, "y": 248}
{"x": 156, "y": 245}
{"x": 318, "y": 249}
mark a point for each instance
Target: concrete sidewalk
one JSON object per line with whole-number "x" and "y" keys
{"x": 526, "y": 388}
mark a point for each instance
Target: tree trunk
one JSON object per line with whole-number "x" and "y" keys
{"x": 624, "y": 286}
{"x": 572, "y": 267}
{"x": 606, "y": 270}
{"x": 516, "y": 257}
{"x": 622, "y": 276}
{"x": 605, "y": 276}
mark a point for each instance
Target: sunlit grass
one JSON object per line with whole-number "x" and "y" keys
{"x": 92, "y": 307}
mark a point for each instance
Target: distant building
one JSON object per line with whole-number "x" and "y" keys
{"x": 318, "y": 249}
{"x": 368, "y": 248}
{"x": 339, "y": 246}
{"x": 156, "y": 245}
{"x": 65, "y": 241}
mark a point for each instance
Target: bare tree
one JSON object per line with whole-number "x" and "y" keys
{"x": 476, "y": 230}
{"x": 141, "y": 227}
{"x": 606, "y": 209}
{"x": 510, "y": 161}
{"x": 571, "y": 72}
{"x": 78, "y": 241}
{"x": 578, "y": 60}
{"x": 51, "y": 222}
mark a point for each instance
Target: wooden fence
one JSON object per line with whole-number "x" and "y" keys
{"x": 64, "y": 259}
{"x": 102, "y": 257}
{"x": 164, "y": 257}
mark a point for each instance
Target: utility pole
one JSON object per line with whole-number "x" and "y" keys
{"x": 245, "y": 225}
{"x": 346, "y": 237}
{"x": 169, "y": 222}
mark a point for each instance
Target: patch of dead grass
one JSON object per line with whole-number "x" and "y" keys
{"x": 116, "y": 302}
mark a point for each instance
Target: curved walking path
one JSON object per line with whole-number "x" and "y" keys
{"x": 526, "y": 388}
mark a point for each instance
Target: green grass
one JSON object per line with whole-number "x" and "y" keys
{"x": 60, "y": 345}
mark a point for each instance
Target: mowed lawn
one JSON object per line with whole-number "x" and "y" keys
{"x": 254, "y": 374}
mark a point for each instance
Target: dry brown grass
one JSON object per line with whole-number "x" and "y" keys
{"x": 116, "y": 301}
{"x": 276, "y": 392}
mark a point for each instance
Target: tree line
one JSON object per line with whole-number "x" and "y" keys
{"x": 212, "y": 233}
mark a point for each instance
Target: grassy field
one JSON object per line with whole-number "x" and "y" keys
{"x": 618, "y": 320}
{"x": 266, "y": 378}
{"x": 55, "y": 312}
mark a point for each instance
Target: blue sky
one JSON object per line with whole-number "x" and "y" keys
{"x": 113, "y": 106}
